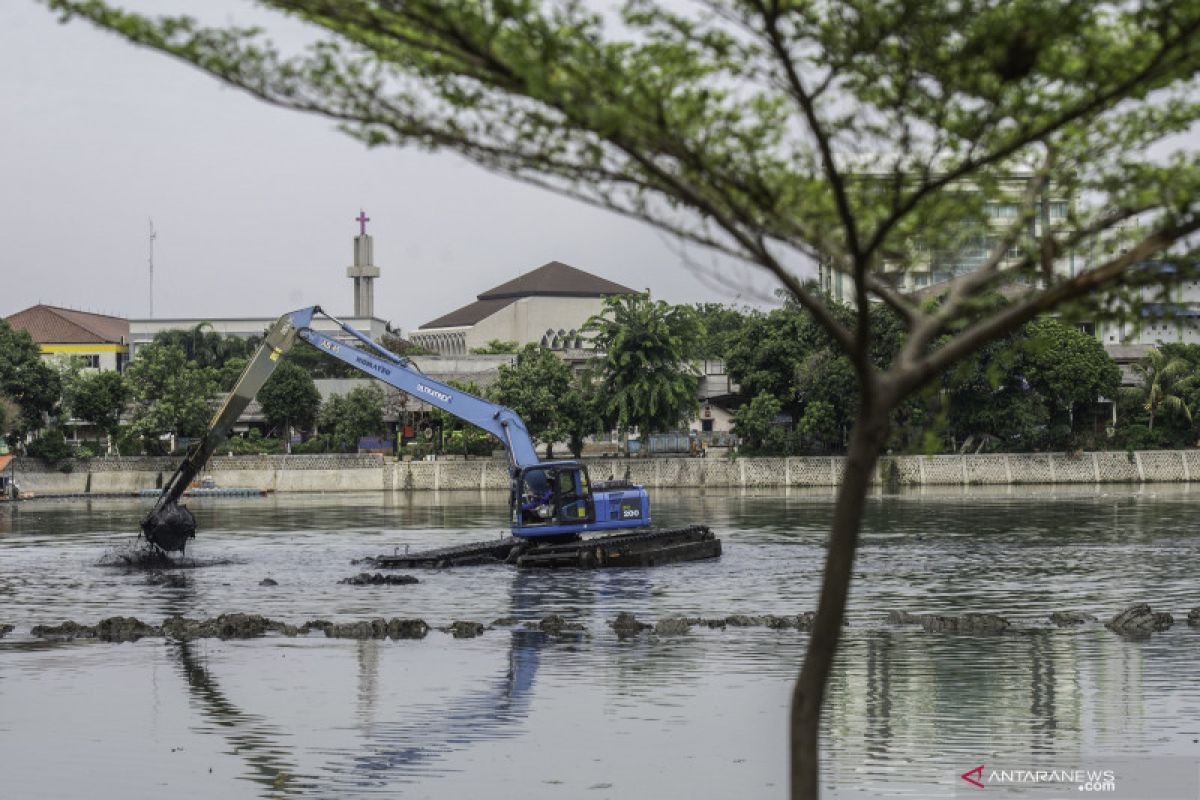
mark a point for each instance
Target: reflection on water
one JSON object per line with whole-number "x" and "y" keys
{"x": 520, "y": 713}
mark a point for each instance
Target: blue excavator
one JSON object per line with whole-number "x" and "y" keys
{"x": 555, "y": 509}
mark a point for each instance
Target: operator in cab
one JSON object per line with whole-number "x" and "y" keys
{"x": 537, "y": 496}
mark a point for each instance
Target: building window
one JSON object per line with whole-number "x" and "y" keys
{"x": 1058, "y": 210}
{"x": 1002, "y": 210}
{"x": 91, "y": 361}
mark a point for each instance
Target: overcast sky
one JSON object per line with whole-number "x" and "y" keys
{"x": 254, "y": 206}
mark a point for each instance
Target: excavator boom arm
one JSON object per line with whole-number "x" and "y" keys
{"x": 169, "y": 525}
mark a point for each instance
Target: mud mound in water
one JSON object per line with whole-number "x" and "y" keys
{"x": 143, "y": 556}
{"x": 138, "y": 555}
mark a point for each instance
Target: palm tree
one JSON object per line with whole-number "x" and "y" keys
{"x": 646, "y": 372}
{"x": 1166, "y": 381}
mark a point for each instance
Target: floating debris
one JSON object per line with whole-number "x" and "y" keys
{"x": 377, "y": 629}
{"x": 555, "y": 625}
{"x": 966, "y": 623}
{"x": 1140, "y": 620}
{"x": 672, "y": 626}
{"x": 461, "y": 629}
{"x": 626, "y": 624}
{"x": 379, "y": 579}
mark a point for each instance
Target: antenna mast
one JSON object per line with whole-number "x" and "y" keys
{"x": 152, "y": 235}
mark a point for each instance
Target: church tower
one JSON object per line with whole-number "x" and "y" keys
{"x": 363, "y": 271}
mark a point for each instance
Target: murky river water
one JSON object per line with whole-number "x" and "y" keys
{"x": 519, "y": 714}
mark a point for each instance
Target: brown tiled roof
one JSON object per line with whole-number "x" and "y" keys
{"x": 53, "y": 325}
{"x": 469, "y": 315}
{"x": 554, "y": 279}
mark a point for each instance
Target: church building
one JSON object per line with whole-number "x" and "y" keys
{"x": 546, "y": 306}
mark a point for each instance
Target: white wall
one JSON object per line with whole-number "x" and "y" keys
{"x": 528, "y": 319}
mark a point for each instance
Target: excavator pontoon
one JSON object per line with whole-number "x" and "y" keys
{"x": 559, "y": 517}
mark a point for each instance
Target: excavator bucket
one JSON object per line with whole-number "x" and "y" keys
{"x": 169, "y": 528}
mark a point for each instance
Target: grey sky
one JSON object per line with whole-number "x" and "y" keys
{"x": 255, "y": 206}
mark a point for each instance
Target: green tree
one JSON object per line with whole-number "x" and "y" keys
{"x": 27, "y": 381}
{"x": 756, "y": 424}
{"x": 646, "y": 368}
{"x": 495, "y": 347}
{"x": 351, "y": 416}
{"x": 1069, "y": 369}
{"x": 1166, "y": 381}
{"x": 100, "y": 398}
{"x": 580, "y": 410}
{"x": 290, "y": 399}
{"x": 723, "y": 327}
{"x": 171, "y": 395}
{"x": 539, "y": 388}
{"x": 986, "y": 398}
{"x": 460, "y": 436}
{"x": 768, "y": 356}
{"x": 778, "y": 132}
{"x": 204, "y": 347}
{"x": 822, "y": 425}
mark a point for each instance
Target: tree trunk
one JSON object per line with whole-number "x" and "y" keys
{"x": 866, "y": 442}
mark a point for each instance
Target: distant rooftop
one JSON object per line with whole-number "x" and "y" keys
{"x": 554, "y": 279}
{"x": 54, "y": 325}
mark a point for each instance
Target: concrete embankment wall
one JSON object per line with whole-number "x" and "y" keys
{"x": 354, "y": 473}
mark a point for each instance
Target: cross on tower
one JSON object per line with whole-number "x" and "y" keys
{"x": 363, "y": 219}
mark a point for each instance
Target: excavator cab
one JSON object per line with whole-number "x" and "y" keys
{"x": 552, "y": 499}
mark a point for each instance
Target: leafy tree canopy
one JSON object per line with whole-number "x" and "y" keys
{"x": 538, "y": 387}
{"x": 723, "y": 327}
{"x": 290, "y": 398}
{"x": 26, "y": 380}
{"x": 646, "y": 369}
{"x": 171, "y": 394}
{"x": 99, "y": 398}
{"x": 351, "y": 416}
{"x": 204, "y": 347}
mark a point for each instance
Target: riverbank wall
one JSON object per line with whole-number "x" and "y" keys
{"x": 372, "y": 473}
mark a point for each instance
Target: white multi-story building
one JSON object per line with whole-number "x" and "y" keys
{"x": 1160, "y": 320}
{"x": 918, "y": 267}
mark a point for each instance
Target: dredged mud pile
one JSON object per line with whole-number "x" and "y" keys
{"x": 1137, "y": 621}
{"x": 139, "y": 555}
{"x": 379, "y": 579}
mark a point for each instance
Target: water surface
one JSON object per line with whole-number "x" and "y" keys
{"x": 517, "y": 713}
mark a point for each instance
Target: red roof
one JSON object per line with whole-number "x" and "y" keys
{"x": 53, "y": 325}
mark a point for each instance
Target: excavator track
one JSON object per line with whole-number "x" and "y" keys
{"x": 643, "y": 549}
